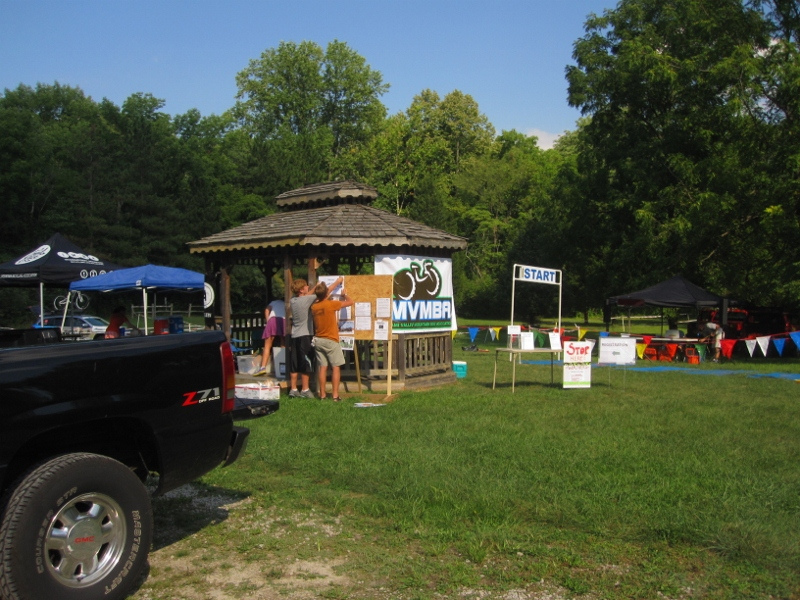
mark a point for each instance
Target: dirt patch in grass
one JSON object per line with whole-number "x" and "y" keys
{"x": 213, "y": 545}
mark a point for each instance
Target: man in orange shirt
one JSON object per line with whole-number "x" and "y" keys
{"x": 326, "y": 338}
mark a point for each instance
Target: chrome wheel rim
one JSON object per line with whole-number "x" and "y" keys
{"x": 85, "y": 540}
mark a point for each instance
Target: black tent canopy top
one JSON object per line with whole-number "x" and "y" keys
{"x": 675, "y": 292}
{"x": 57, "y": 262}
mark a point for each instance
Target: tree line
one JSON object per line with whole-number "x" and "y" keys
{"x": 686, "y": 160}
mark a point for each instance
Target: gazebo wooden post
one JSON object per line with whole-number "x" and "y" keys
{"x": 313, "y": 265}
{"x": 225, "y": 300}
{"x": 288, "y": 277}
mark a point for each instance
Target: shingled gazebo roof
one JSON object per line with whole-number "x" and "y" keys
{"x": 330, "y": 215}
{"x": 326, "y": 193}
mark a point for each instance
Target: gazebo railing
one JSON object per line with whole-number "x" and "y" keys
{"x": 248, "y": 326}
{"x": 413, "y": 354}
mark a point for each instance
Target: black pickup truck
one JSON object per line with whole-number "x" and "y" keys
{"x": 83, "y": 426}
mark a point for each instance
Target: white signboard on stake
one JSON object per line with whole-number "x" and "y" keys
{"x": 617, "y": 351}
{"x": 578, "y": 365}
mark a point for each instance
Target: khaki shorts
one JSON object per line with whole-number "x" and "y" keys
{"x": 329, "y": 352}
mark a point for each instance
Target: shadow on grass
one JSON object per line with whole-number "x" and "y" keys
{"x": 188, "y": 509}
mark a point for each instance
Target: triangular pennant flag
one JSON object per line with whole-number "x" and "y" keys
{"x": 763, "y": 341}
{"x": 727, "y": 347}
{"x": 779, "y": 344}
{"x": 640, "y": 350}
{"x": 795, "y": 335}
{"x": 453, "y": 334}
{"x": 647, "y": 339}
{"x": 581, "y": 334}
{"x": 473, "y": 331}
{"x": 539, "y": 339}
{"x": 494, "y": 332}
{"x": 751, "y": 346}
{"x": 701, "y": 350}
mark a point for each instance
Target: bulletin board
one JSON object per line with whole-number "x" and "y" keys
{"x": 375, "y": 291}
{"x": 370, "y": 316}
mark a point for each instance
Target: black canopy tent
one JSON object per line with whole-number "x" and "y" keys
{"x": 676, "y": 292}
{"x": 55, "y": 263}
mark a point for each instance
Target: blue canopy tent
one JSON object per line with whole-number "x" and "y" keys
{"x": 146, "y": 278}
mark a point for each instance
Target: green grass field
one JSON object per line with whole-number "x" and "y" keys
{"x": 647, "y": 485}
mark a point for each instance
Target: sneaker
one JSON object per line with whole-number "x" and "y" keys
{"x": 260, "y": 372}
{"x": 306, "y": 394}
{"x": 294, "y": 394}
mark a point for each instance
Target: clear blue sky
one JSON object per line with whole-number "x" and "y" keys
{"x": 509, "y": 55}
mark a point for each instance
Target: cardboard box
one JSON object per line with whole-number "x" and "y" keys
{"x": 248, "y": 364}
{"x": 258, "y": 391}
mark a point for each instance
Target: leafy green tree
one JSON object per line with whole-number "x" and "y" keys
{"x": 688, "y": 149}
{"x": 305, "y": 107}
{"x": 421, "y": 149}
{"x": 499, "y": 196}
{"x": 45, "y": 151}
{"x": 456, "y": 120}
{"x": 468, "y": 131}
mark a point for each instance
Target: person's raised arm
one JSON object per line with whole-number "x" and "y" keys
{"x": 335, "y": 284}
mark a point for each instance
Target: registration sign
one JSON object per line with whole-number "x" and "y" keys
{"x": 617, "y": 351}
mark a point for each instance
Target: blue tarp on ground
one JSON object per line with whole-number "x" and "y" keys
{"x": 687, "y": 370}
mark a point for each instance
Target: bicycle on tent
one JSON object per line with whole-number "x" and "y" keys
{"x": 77, "y": 301}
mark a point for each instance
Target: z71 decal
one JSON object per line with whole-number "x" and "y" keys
{"x": 201, "y": 396}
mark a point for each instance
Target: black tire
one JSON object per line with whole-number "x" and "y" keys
{"x": 77, "y": 527}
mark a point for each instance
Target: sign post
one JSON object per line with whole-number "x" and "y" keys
{"x": 536, "y": 275}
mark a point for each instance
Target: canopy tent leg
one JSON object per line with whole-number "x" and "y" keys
{"x": 66, "y": 308}
{"x": 41, "y": 304}
{"x": 144, "y": 308}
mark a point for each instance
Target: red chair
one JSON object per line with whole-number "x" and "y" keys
{"x": 692, "y": 355}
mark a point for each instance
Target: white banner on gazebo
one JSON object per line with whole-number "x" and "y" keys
{"x": 423, "y": 292}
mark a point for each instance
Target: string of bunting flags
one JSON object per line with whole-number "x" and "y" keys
{"x": 493, "y": 333}
{"x": 763, "y": 343}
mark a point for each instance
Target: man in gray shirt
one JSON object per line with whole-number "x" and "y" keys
{"x": 301, "y": 357}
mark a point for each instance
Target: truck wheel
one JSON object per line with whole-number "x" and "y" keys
{"x": 77, "y": 527}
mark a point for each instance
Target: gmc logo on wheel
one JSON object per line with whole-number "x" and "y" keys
{"x": 83, "y": 540}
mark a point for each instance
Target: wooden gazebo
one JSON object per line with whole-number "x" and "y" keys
{"x": 333, "y": 224}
